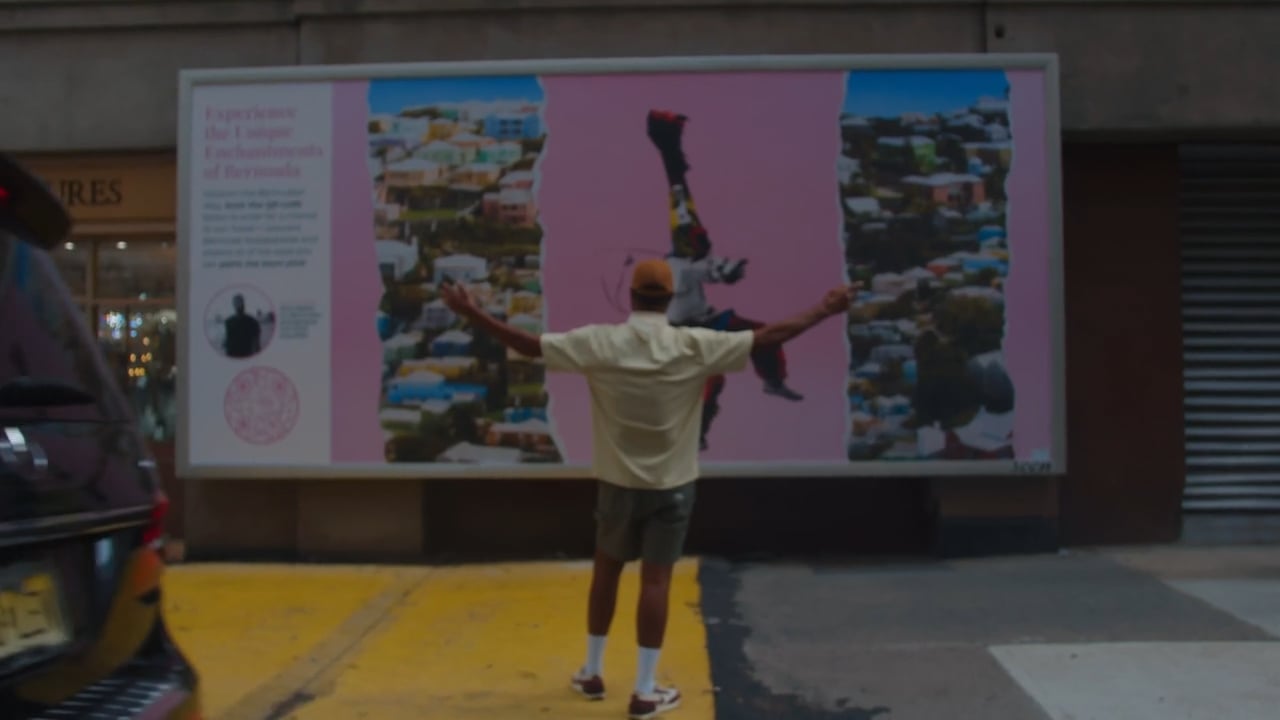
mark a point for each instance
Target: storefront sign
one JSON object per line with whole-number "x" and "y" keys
{"x": 97, "y": 189}
{"x": 324, "y": 207}
{"x": 91, "y": 192}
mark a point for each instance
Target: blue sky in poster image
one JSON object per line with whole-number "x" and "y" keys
{"x": 890, "y": 93}
{"x": 391, "y": 95}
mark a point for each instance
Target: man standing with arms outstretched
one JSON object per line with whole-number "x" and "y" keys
{"x": 646, "y": 378}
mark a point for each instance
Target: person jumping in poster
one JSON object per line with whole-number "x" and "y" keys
{"x": 693, "y": 265}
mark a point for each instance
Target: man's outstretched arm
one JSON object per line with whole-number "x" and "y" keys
{"x": 834, "y": 302}
{"x": 523, "y": 342}
{"x": 459, "y": 300}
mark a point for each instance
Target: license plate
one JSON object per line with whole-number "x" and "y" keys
{"x": 31, "y": 614}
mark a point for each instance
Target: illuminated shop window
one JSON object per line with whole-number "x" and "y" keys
{"x": 126, "y": 286}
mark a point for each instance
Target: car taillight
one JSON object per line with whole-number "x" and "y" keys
{"x": 154, "y": 533}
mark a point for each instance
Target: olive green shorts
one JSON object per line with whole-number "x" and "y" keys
{"x": 649, "y": 525}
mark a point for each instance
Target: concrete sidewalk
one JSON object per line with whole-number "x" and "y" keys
{"x": 1134, "y": 634}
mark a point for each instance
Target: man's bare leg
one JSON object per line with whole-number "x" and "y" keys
{"x": 651, "y": 620}
{"x": 649, "y": 700}
{"x": 655, "y": 594}
{"x": 605, "y": 575}
{"x": 665, "y": 529}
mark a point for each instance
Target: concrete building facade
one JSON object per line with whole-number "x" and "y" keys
{"x": 92, "y": 94}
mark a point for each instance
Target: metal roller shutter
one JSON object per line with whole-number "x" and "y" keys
{"x": 1230, "y": 198}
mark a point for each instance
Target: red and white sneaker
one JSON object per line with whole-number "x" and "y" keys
{"x": 653, "y": 704}
{"x": 590, "y": 687}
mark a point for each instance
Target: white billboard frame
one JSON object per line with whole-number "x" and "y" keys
{"x": 1047, "y": 63}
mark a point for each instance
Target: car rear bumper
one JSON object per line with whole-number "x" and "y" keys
{"x": 135, "y": 692}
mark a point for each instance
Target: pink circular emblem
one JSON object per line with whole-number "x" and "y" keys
{"x": 261, "y": 405}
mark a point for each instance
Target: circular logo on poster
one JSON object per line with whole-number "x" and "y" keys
{"x": 261, "y": 405}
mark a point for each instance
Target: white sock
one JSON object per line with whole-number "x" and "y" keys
{"x": 595, "y": 655}
{"x": 646, "y": 678}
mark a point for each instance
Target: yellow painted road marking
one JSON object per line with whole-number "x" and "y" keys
{"x": 501, "y": 642}
{"x": 310, "y": 674}
{"x": 244, "y": 625}
{"x": 486, "y": 642}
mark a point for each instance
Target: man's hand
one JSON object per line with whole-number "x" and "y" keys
{"x": 837, "y": 300}
{"x": 457, "y": 299}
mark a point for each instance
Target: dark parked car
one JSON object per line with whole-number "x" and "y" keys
{"x": 82, "y": 633}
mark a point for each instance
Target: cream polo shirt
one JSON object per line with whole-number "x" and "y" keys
{"x": 646, "y": 379}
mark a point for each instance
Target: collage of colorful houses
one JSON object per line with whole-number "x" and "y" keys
{"x": 454, "y": 166}
{"x": 925, "y": 159}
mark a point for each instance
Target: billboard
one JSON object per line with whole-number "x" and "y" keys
{"x": 322, "y": 207}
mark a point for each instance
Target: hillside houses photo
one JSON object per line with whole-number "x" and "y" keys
{"x": 925, "y": 158}
{"x": 454, "y": 170}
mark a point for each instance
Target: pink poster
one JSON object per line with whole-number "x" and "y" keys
{"x": 762, "y": 155}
